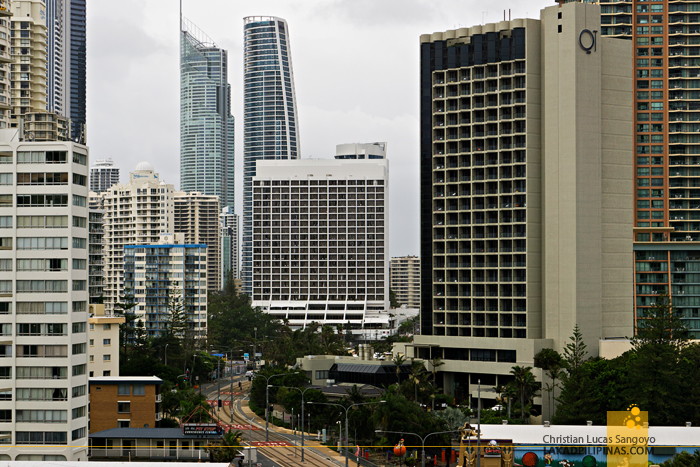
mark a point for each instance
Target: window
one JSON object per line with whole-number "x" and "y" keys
{"x": 139, "y": 389}
{"x": 92, "y": 359}
{"x": 124, "y": 407}
{"x": 78, "y": 242}
{"x": 78, "y": 285}
{"x": 106, "y": 327}
{"x": 79, "y": 200}
{"x": 106, "y": 373}
{"x": 78, "y": 433}
{"x": 42, "y": 286}
{"x": 41, "y": 416}
{"x": 79, "y": 264}
{"x": 42, "y": 200}
{"x": 79, "y": 369}
{"x": 79, "y": 158}
{"x": 106, "y": 358}
{"x": 78, "y": 349}
{"x": 5, "y": 157}
{"x": 5, "y": 222}
{"x": 6, "y": 287}
{"x": 77, "y": 308}
{"x": 92, "y": 342}
{"x": 106, "y": 342}
{"x": 124, "y": 390}
{"x": 5, "y": 179}
{"x": 6, "y": 265}
{"x": 42, "y": 243}
{"x": 79, "y": 180}
{"x": 5, "y": 243}
{"x": 123, "y": 423}
{"x": 78, "y": 391}
{"x": 40, "y": 437}
{"x": 79, "y": 222}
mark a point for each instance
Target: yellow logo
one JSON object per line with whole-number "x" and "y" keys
{"x": 628, "y": 438}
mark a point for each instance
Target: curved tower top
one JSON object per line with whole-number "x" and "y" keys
{"x": 270, "y": 127}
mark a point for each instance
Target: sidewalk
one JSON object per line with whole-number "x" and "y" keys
{"x": 323, "y": 450}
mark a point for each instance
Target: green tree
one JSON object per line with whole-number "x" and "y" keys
{"x": 176, "y": 323}
{"x": 575, "y": 351}
{"x": 392, "y": 299}
{"x": 398, "y": 361}
{"x": 227, "y": 449}
{"x": 552, "y": 362}
{"x": 683, "y": 459}
{"x": 660, "y": 325}
{"x": 125, "y": 307}
{"x": 526, "y": 386}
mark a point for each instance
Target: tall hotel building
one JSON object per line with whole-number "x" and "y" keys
{"x": 103, "y": 175}
{"x": 134, "y": 214}
{"x": 270, "y": 113}
{"x": 206, "y": 123}
{"x": 5, "y": 65}
{"x": 229, "y": 223}
{"x": 526, "y": 187}
{"x": 43, "y": 301}
{"x": 320, "y": 233}
{"x": 67, "y": 60}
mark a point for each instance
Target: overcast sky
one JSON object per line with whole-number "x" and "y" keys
{"x": 355, "y": 68}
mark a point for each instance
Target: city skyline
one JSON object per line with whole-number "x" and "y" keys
{"x": 346, "y": 92}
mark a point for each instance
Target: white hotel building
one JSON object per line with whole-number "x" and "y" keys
{"x": 43, "y": 301}
{"x": 320, "y": 233}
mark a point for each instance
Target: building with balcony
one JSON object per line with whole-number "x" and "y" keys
{"x": 103, "y": 342}
{"x": 96, "y": 255}
{"x": 229, "y": 223}
{"x": 361, "y": 151}
{"x": 405, "y": 280}
{"x": 320, "y": 232}
{"x": 136, "y": 213}
{"x": 164, "y": 277}
{"x": 125, "y": 402}
{"x": 526, "y": 186}
{"x": 6, "y": 61}
{"x": 197, "y": 219}
{"x": 103, "y": 175}
{"x": 43, "y": 301}
{"x": 270, "y": 128}
{"x": 29, "y": 58}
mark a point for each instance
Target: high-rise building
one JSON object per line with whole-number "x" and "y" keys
{"x": 66, "y": 41}
{"x": 197, "y": 219}
{"x": 29, "y": 37}
{"x": 6, "y": 61}
{"x": 526, "y": 186}
{"x": 270, "y": 128}
{"x": 206, "y": 123}
{"x": 666, "y": 160}
{"x": 43, "y": 301}
{"x": 229, "y": 223}
{"x": 136, "y": 213}
{"x": 103, "y": 175}
{"x": 320, "y": 234}
{"x": 96, "y": 249}
{"x": 171, "y": 272}
{"x": 405, "y": 280}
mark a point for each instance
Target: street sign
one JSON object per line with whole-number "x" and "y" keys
{"x": 201, "y": 429}
{"x": 246, "y": 356}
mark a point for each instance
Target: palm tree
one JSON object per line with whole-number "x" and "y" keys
{"x": 526, "y": 386}
{"x": 510, "y": 392}
{"x": 417, "y": 376}
{"x": 555, "y": 372}
{"x": 398, "y": 361}
{"x": 435, "y": 363}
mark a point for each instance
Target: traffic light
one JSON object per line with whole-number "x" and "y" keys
{"x": 187, "y": 376}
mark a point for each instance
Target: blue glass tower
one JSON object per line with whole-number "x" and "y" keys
{"x": 206, "y": 123}
{"x": 270, "y": 112}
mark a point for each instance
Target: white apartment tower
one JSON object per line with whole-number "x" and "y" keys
{"x": 197, "y": 219}
{"x": 229, "y": 223}
{"x": 320, "y": 229}
{"x": 43, "y": 301}
{"x": 405, "y": 280}
{"x": 134, "y": 214}
{"x": 103, "y": 175}
{"x": 5, "y": 66}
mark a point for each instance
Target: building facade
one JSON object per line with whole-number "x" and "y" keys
{"x": 67, "y": 60}
{"x": 405, "y": 280}
{"x": 361, "y": 151}
{"x": 29, "y": 36}
{"x": 6, "y": 61}
{"x": 320, "y": 229}
{"x": 526, "y": 183}
{"x": 165, "y": 276}
{"x": 229, "y": 223}
{"x": 103, "y": 342}
{"x": 96, "y": 255}
{"x": 43, "y": 301}
{"x": 125, "y": 402}
{"x": 136, "y": 213}
{"x": 103, "y": 175}
{"x": 197, "y": 219}
{"x": 206, "y": 123}
{"x": 270, "y": 128}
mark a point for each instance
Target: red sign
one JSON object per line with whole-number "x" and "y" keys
{"x": 240, "y": 427}
{"x": 272, "y": 443}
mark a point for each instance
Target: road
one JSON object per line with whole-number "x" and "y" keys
{"x": 283, "y": 449}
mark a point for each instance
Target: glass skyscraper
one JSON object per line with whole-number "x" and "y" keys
{"x": 270, "y": 115}
{"x": 206, "y": 123}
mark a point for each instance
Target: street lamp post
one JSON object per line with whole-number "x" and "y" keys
{"x": 478, "y": 429}
{"x": 422, "y": 439}
{"x": 230, "y": 349}
{"x": 166, "y": 354}
{"x": 250, "y": 434}
{"x": 347, "y": 432}
{"x": 302, "y": 412}
{"x": 267, "y": 401}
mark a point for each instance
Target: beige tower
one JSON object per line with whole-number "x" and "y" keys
{"x": 405, "y": 280}
{"x": 526, "y": 193}
{"x": 29, "y": 89}
{"x": 197, "y": 218}
{"x": 5, "y": 65}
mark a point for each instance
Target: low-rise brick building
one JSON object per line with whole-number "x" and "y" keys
{"x": 125, "y": 402}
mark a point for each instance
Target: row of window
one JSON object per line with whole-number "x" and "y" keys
{"x": 50, "y": 264}
{"x": 41, "y": 286}
{"x": 42, "y": 308}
